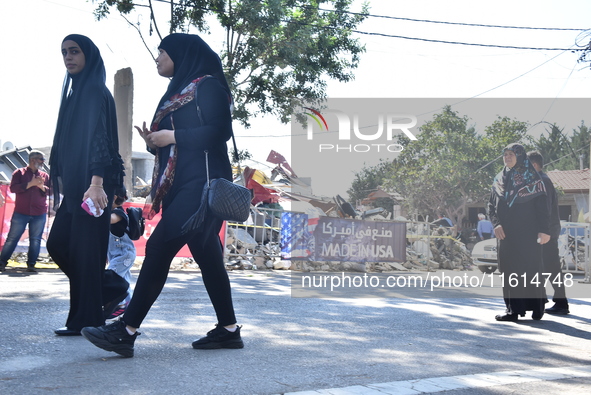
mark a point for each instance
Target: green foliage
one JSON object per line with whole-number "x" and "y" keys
{"x": 367, "y": 181}
{"x": 438, "y": 171}
{"x": 243, "y": 154}
{"x": 448, "y": 166}
{"x": 502, "y": 132}
{"x": 278, "y": 53}
{"x": 563, "y": 153}
{"x": 123, "y": 6}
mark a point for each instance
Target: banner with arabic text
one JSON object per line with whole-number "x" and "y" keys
{"x": 338, "y": 239}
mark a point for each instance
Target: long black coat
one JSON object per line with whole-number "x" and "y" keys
{"x": 519, "y": 254}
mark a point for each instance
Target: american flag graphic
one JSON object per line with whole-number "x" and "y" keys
{"x": 296, "y": 239}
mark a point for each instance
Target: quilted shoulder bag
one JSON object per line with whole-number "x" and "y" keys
{"x": 224, "y": 199}
{"x": 227, "y": 200}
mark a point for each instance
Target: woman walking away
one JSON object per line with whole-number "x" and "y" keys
{"x": 85, "y": 167}
{"x": 517, "y": 208}
{"x": 192, "y": 123}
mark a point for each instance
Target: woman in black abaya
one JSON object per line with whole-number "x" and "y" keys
{"x": 84, "y": 163}
{"x": 517, "y": 208}
{"x": 193, "y": 117}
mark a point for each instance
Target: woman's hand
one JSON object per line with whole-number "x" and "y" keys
{"x": 96, "y": 192}
{"x": 162, "y": 138}
{"x": 144, "y": 133}
{"x": 499, "y": 232}
{"x": 543, "y": 238}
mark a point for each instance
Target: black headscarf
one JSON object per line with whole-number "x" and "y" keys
{"x": 192, "y": 58}
{"x": 86, "y": 141}
{"x": 521, "y": 183}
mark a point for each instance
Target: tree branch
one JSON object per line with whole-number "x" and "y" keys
{"x": 141, "y": 36}
{"x": 153, "y": 19}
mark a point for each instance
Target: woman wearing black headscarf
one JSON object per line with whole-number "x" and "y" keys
{"x": 192, "y": 117}
{"x": 518, "y": 211}
{"x": 85, "y": 164}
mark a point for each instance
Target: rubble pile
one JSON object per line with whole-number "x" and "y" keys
{"x": 245, "y": 253}
{"x": 141, "y": 188}
{"x": 439, "y": 251}
{"x": 21, "y": 257}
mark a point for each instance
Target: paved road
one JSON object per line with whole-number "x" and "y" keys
{"x": 369, "y": 345}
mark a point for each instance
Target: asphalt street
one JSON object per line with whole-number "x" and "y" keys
{"x": 345, "y": 345}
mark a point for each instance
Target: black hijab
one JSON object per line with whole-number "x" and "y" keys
{"x": 85, "y": 141}
{"x": 521, "y": 183}
{"x": 192, "y": 58}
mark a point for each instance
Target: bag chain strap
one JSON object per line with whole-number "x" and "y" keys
{"x": 207, "y": 166}
{"x": 235, "y": 154}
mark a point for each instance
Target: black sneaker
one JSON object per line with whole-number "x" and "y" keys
{"x": 219, "y": 337}
{"x": 113, "y": 337}
{"x": 558, "y": 310}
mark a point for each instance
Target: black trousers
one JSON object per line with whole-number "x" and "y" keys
{"x": 206, "y": 248}
{"x": 78, "y": 244}
{"x": 552, "y": 266}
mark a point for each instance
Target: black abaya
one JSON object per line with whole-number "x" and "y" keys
{"x": 519, "y": 253}
{"x": 85, "y": 145}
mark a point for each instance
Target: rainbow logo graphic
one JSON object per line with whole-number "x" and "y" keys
{"x": 315, "y": 115}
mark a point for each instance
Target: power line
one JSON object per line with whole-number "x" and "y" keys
{"x": 562, "y": 157}
{"x": 437, "y": 41}
{"x": 454, "y": 104}
{"x": 463, "y": 43}
{"x": 448, "y": 23}
{"x": 426, "y": 21}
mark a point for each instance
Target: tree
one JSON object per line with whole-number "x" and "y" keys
{"x": 368, "y": 180}
{"x": 579, "y": 142}
{"x": 562, "y": 153}
{"x": 502, "y": 132}
{"x": 437, "y": 171}
{"x": 243, "y": 154}
{"x": 278, "y": 52}
{"x": 449, "y": 166}
{"x": 553, "y": 147}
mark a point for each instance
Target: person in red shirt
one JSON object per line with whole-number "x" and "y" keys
{"x": 31, "y": 186}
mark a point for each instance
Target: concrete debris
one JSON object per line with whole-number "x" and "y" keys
{"x": 439, "y": 251}
{"x": 246, "y": 253}
{"x": 141, "y": 188}
{"x": 281, "y": 265}
{"x": 241, "y": 239}
{"x": 22, "y": 257}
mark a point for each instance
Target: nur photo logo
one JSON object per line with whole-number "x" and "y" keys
{"x": 351, "y": 136}
{"x": 317, "y": 117}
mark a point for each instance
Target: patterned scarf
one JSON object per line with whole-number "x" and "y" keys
{"x": 521, "y": 183}
{"x": 161, "y": 183}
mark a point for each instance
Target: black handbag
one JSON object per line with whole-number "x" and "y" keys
{"x": 229, "y": 201}
{"x": 224, "y": 199}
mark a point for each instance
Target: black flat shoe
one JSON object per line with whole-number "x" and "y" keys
{"x": 66, "y": 332}
{"x": 507, "y": 317}
{"x": 537, "y": 316}
{"x": 557, "y": 310}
